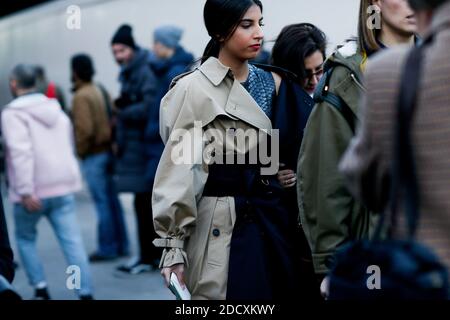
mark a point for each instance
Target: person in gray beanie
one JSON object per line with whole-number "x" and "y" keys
{"x": 168, "y": 36}
{"x": 171, "y": 60}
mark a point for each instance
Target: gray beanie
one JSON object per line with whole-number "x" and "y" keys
{"x": 169, "y": 36}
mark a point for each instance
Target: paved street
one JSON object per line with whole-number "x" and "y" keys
{"x": 108, "y": 284}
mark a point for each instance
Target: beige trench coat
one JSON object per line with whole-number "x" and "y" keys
{"x": 183, "y": 218}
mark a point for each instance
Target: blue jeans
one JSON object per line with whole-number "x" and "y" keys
{"x": 60, "y": 212}
{"x": 112, "y": 235}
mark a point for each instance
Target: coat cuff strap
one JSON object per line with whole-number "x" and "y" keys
{"x": 168, "y": 243}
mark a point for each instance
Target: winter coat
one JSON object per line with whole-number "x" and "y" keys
{"x": 40, "y": 152}
{"x": 138, "y": 93}
{"x": 196, "y": 229}
{"x": 329, "y": 214}
{"x": 91, "y": 121}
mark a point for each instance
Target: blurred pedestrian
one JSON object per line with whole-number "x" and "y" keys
{"x": 49, "y": 88}
{"x": 330, "y": 215}
{"x": 137, "y": 96}
{"x": 43, "y": 176}
{"x": 91, "y": 116}
{"x": 300, "y": 51}
{"x": 6, "y": 254}
{"x": 170, "y": 61}
{"x": 368, "y": 162}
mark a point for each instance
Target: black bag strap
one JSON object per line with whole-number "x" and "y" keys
{"x": 107, "y": 100}
{"x": 323, "y": 94}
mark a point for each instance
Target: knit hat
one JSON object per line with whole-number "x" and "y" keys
{"x": 124, "y": 36}
{"x": 169, "y": 36}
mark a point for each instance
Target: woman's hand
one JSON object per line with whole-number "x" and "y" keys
{"x": 287, "y": 178}
{"x": 178, "y": 269}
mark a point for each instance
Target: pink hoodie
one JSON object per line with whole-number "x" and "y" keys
{"x": 39, "y": 149}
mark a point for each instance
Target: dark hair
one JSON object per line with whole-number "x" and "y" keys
{"x": 83, "y": 67}
{"x": 221, "y": 20}
{"x": 25, "y": 75}
{"x": 40, "y": 72}
{"x": 294, "y": 44}
{"x": 425, "y": 4}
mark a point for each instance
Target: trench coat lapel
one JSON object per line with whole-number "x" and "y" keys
{"x": 240, "y": 104}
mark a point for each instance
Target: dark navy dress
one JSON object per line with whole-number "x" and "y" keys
{"x": 263, "y": 256}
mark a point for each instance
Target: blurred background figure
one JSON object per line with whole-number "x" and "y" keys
{"x": 170, "y": 61}
{"x": 137, "y": 95}
{"x": 49, "y": 88}
{"x": 301, "y": 49}
{"x": 6, "y": 254}
{"x": 330, "y": 215}
{"x": 368, "y": 162}
{"x": 43, "y": 176}
{"x": 91, "y": 116}
{"x": 6, "y": 261}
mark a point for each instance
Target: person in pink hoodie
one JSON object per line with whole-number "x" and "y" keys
{"x": 43, "y": 175}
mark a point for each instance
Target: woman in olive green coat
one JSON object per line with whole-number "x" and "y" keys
{"x": 330, "y": 216}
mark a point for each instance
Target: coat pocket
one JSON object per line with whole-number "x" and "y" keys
{"x": 220, "y": 233}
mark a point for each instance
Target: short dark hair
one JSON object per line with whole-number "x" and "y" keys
{"x": 294, "y": 44}
{"x": 426, "y": 4}
{"x": 83, "y": 67}
{"x": 25, "y": 75}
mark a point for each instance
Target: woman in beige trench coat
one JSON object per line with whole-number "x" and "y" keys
{"x": 202, "y": 204}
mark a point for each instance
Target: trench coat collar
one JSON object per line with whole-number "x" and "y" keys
{"x": 240, "y": 103}
{"x": 214, "y": 70}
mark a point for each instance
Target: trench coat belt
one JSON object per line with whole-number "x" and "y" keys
{"x": 168, "y": 243}
{"x": 236, "y": 180}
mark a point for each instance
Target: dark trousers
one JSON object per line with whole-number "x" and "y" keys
{"x": 149, "y": 254}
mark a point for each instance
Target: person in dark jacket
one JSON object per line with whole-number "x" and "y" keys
{"x": 170, "y": 61}
{"x": 300, "y": 49}
{"x": 6, "y": 254}
{"x": 138, "y": 93}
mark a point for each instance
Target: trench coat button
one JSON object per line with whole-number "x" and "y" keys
{"x": 216, "y": 232}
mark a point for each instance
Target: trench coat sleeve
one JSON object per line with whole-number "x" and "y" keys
{"x": 363, "y": 166}
{"x": 325, "y": 205}
{"x": 178, "y": 184}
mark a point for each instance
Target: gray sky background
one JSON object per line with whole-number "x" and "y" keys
{"x": 41, "y": 36}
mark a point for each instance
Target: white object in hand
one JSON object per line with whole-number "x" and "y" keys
{"x": 177, "y": 290}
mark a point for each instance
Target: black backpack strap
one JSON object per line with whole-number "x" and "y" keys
{"x": 404, "y": 185}
{"x": 323, "y": 94}
{"x": 107, "y": 100}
